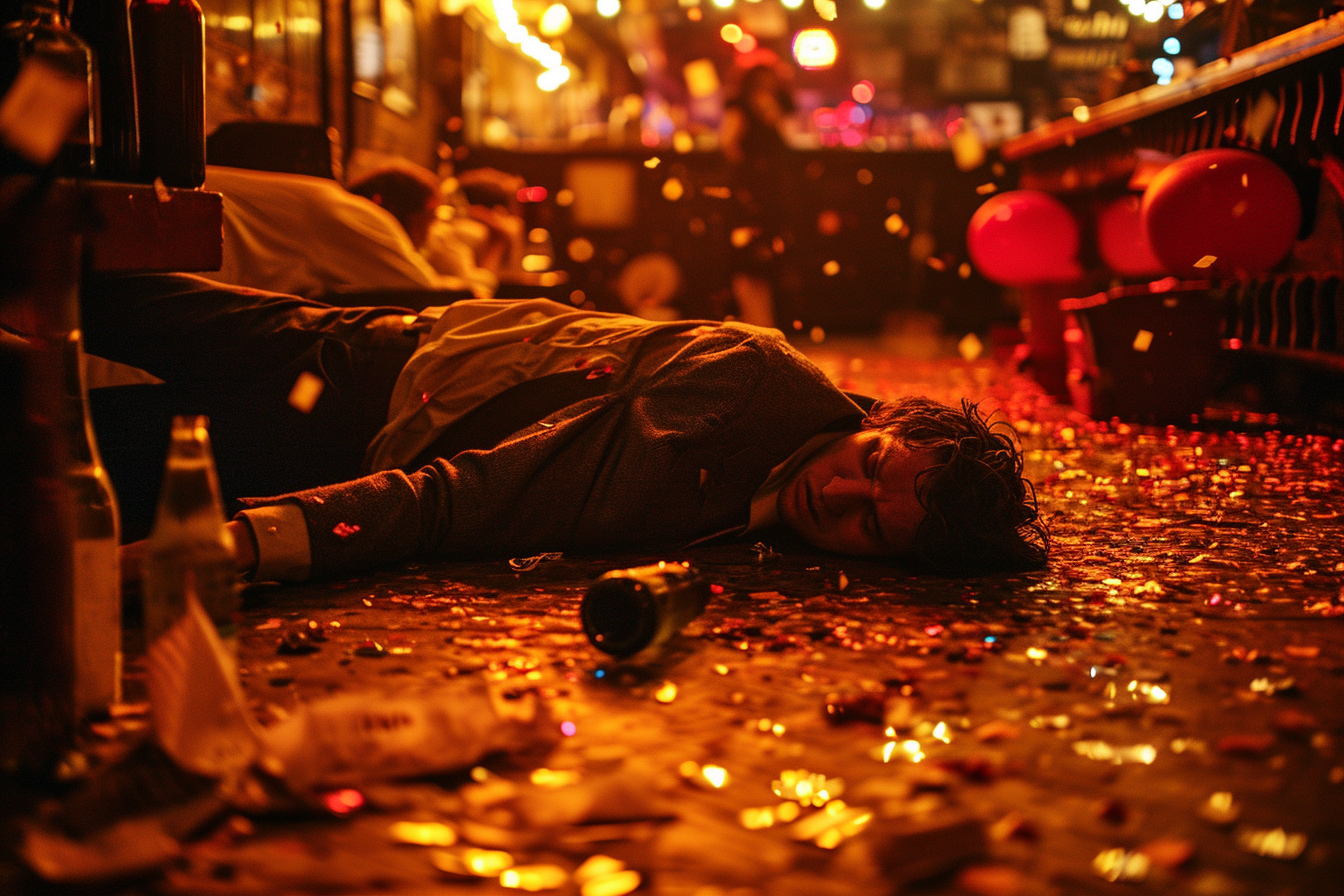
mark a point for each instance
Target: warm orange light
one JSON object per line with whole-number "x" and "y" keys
{"x": 814, "y": 48}
{"x": 863, "y": 92}
{"x": 731, "y": 33}
{"x": 746, "y": 45}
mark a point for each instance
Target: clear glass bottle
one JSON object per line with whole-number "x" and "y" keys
{"x": 43, "y": 31}
{"x": 97, "y": 564}
{"x": 168, "y": 40}
{"x": 189, "y": 548}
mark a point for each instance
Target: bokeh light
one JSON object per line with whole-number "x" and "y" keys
{"x": 814, "y": 48}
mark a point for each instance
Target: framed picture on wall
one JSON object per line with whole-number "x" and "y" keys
{"x": 401, "y": 62}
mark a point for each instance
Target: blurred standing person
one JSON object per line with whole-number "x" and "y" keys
{"x": 753, "y": 138}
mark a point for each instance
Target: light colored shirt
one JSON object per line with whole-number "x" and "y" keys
{"x": 309, "y": 236}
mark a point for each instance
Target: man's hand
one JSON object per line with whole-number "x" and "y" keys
{"x": 244, "y": 555}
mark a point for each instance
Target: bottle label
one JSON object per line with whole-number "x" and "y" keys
{"x": 97, "y": 624}
{"x": 39, "y": 112}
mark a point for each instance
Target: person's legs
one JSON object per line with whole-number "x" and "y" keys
{"x": 236, "y": 355}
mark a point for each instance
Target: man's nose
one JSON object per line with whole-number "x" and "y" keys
{"x": 841, "y": 494}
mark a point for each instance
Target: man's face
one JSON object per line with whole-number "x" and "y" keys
{"x": 857, "y": 496}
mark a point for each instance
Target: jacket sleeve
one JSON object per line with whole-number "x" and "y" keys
{"x": 373, "y": 521}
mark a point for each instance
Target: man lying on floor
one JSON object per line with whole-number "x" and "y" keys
{"x": 505, "y": 428}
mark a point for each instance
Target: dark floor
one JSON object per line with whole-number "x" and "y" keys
{"x": 1159, "y": 711}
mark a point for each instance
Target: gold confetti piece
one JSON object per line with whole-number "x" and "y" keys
{"x": 1104, "y": 752}
{"x": 894, "y": 224}
{"x": 1273, "y": 843}
{"x": 306, "y": 391}
{"x": 1206, "y": 261}
{"x": 826, "y": 9}
{"x": 1148, "y": 692}
{"x": 1120, "y": 865}
{"x": 549, "y": 777}
{"x": 673, "y": 190}
{"x": 1037, "y": 653}
{"x": 717, "y": 192}
{"x": 472, "y": 862}
{"x": 716, "y": 775}
{"x": 986, "y": 189}
{"x": 534, "y": 878}
{"x": 807, "y": 788}
{"x": 666, "y": 693}
{"x": 721, "y": 669}
{"x": 652, "y": 163}
{"x": 817, "y": 335}
{"x": 756, "y": 819}
{"x": 741, "y": 236}
{"x": 970, "y": 347}
{"x": 1220, "y": 808}
{"x": 616, "y": 884}
{"x": 597, "y": 866}
{"x": 422, "y": 833}
{"x": 1143, "y": 339}
{"x": 831, "y": 268}
{"x": 1055, "y": 723}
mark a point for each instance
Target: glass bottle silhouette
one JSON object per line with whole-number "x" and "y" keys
{"x": 37, "y": 711}
{"x": 627, "y": 611}
{"x": 97, "y": 565}
{"x": 106, "y": 26}
{"x": 168, "y": 40}
{"x": 189, "y": 548}
{"x": 42, "y": 31}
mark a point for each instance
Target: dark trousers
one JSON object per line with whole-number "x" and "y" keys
{"x": 234, "y": 355}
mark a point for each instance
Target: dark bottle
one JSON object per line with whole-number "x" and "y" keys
{"x": 106, "y": 26}
{"x": 168, "y": 40}
{"x": 41, "y": 32}
{"x": 629, "y": 610}
{"x": 37, "y": 710}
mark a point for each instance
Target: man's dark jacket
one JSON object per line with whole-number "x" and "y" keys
{"x": 661, "y": 455}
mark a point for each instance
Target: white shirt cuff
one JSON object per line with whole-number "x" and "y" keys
{"x": 283, "y": 551}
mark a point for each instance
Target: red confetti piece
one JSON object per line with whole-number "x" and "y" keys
{"x": 599, "y": 372}
{"x": 343, "y": 802}
{"x": 1168, "y": 852}
{"x": 345, "y": 530}
{"x": 1245, "y": 744}
{"x": 424, "y": 398}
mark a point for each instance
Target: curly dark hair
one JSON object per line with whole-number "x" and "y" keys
{"x": 981, "y": 513}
